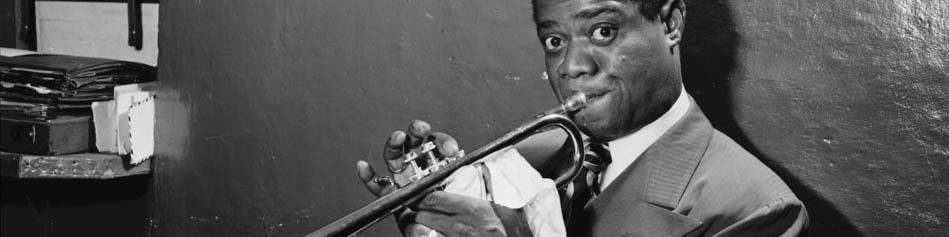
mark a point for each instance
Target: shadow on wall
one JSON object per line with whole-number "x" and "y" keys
{"x": 709, "y": 57}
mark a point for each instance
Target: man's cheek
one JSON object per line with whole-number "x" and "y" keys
{"x": 591, "y": 118}
{"x": 556, "y": 86}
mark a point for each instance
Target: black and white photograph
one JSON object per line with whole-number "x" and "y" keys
{"x": 444, "y": 118}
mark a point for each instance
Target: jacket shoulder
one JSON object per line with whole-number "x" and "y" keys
{"x": 730, "y": 184}
{"x": 727, "y": 165}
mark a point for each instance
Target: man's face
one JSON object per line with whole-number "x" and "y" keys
{"x": 620, "y": 59}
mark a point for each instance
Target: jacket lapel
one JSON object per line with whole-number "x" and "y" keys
{"x": 640, "y": 200}
{"x": 672, "y": 160}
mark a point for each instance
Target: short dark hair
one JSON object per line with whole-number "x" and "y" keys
{"x": 648, "y": 8}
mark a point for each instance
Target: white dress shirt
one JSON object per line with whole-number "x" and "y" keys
{"x": 626, "y": 150}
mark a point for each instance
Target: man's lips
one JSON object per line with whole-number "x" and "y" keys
{"x": 592, "y": 96}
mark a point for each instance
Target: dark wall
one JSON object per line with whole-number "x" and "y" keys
{"x": 265, "y": 106}
{"x": 8, "y": 24}
{"x": 76, "y": 207}
{"x": 846, "y": 100}
{"x": 17, "y": 26}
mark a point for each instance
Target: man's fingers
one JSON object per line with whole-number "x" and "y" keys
{"x": 448, "y": 203}
{"x": 447, "y": 146}
{"x": 367, "y": 175}
{"x": 415, "y": 230}
{"x": 370, "y": 179}
{"x": 436, "y": 221}
{"x": 458, "y": 215}
{"x": 418, "y": 131}
{"x": 392, "y": 153}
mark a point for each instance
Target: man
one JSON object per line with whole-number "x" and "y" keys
{"x": 672, "y": 174}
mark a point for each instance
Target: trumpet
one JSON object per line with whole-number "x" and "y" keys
{"x": 426, "y": 172}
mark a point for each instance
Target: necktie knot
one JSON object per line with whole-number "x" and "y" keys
{"x": 596, "y": 158}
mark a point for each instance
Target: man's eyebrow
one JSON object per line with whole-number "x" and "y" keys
{"x": 594, "y": 12}
{"x": 546, "y": 24}
{"x": 585, "y": 15}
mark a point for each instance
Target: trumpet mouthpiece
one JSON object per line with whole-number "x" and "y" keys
{"x": 575, "y": 102}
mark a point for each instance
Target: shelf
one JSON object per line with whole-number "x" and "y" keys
{"x": 75, "y": 166}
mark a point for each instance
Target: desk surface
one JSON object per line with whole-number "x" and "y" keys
{"x": 74, "y": 166}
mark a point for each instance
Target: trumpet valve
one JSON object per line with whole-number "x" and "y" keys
{"x": 421, "y": 162}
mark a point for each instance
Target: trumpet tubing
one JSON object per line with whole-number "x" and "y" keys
{"x": 423, "y": 178}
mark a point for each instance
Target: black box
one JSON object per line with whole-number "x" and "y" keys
{"x": 53, "y": 136}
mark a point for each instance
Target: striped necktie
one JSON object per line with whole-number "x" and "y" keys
{"x": 587, "y": 184}
{"x": 596, "y": 158}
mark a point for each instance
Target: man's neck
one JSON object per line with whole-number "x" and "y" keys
{"x": 626, "y": 149}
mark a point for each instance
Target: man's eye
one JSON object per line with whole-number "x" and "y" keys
{"x": 553, "y": 43}
{"x": 603, "y": 34}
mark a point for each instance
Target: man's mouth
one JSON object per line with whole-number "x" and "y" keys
{"x": 593, "y": 96}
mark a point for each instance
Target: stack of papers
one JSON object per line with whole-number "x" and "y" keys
{"x": 126, "y": 125}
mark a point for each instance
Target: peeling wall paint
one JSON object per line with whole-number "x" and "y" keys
{"x": 265, "y": 106}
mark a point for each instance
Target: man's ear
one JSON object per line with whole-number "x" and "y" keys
{"x": 672, "y": 15}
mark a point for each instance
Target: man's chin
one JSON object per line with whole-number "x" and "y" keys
{"x": 595, "y": 130}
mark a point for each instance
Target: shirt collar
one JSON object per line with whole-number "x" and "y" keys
{"x": 626, "y": 149}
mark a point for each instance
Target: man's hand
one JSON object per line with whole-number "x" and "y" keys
{"x": 456, "y": 215}
{"x": 398, "y": 144}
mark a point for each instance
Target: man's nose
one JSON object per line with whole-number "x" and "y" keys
{"x": 577, "y": 62}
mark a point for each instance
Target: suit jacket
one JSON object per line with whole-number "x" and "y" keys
{"x": 693, "y": 181}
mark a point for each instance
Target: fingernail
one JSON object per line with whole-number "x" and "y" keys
{"x": 430, "y": 200}
{"x": 450, "y": 146}
{"x": 396, "y": 138}
{"x": 419, "y": 127}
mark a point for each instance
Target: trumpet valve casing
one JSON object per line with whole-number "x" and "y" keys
{"x": 421, "y": 162}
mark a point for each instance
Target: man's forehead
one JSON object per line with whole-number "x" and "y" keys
{"x": 589, "y": 1}
{"x": 583, "y": 2}
{"x": 551, "y": 11}
{"x": 569, "y": 8}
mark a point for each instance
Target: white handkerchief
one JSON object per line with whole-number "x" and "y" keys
{"x": 514, "y": 184}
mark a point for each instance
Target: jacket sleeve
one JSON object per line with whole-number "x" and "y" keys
{"x": 780, "y": 217}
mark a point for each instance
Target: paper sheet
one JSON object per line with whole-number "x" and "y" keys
{"x": 141, "y": 122}
{"x": 126, "y": 125}
{"x": 103, "y": 116}
{"x": 124, "y": 97}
